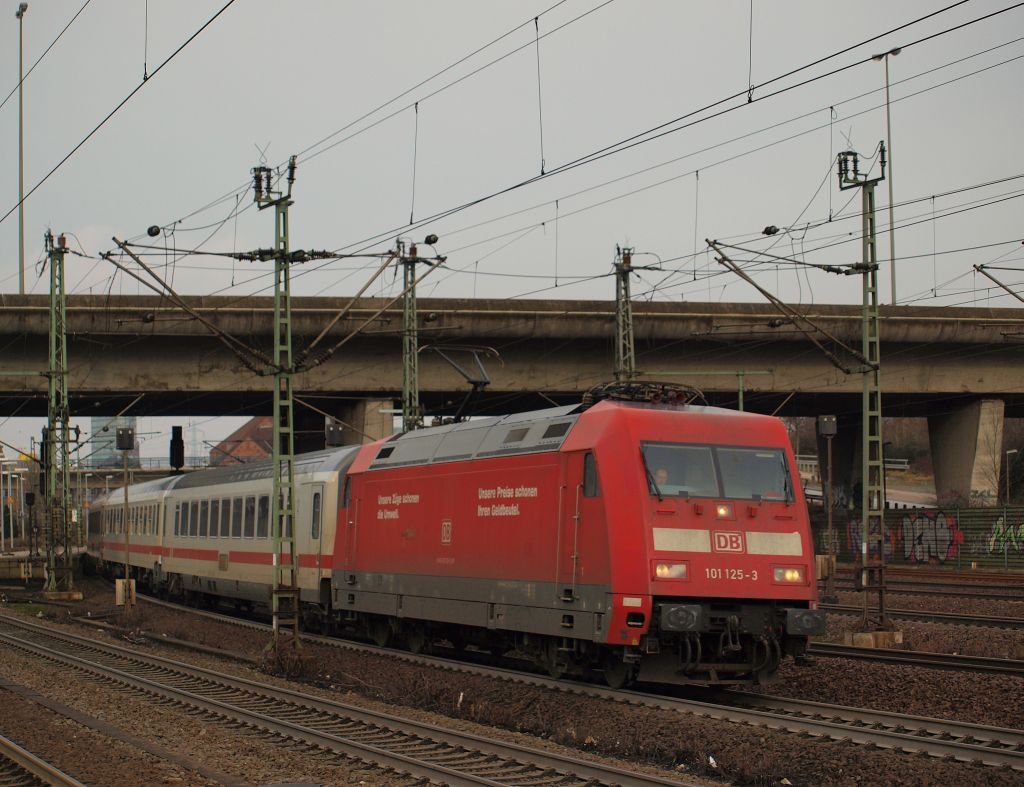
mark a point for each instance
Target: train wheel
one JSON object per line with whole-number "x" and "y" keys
{"x": 416, "y": 637}
{"x": 617, "y": 673}
{"x": 552, "y": 659}
{"x": 380, "y": 632}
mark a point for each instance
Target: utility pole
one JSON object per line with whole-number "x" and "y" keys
{"x": 412, "y": 413}
{"x": 285, "y": 585}
{"x": 872, "y": 571}
{"x": 56, "y": 437}
{"x": 625, "y": 352}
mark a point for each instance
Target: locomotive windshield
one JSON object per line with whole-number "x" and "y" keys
{"x": 676, "y": 469}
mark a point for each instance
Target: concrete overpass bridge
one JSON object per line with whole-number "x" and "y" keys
{"x": 959, "y": 367}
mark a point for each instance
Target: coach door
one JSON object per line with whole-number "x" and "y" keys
{"x": 347, "y": 527}
{"x": 316, "y": 527}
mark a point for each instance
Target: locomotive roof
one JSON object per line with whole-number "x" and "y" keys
{"x": 313, "y": 462}
{"x": 518, "y": 433}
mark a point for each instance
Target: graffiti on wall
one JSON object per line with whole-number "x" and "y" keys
{"x": 1005, "y": 536}
{"x": 921, "y": 536}
{"x": 930, "y": 536}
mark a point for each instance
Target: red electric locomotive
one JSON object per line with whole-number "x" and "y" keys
{"x": 650, "y": 541}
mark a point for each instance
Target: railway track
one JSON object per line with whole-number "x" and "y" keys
{"x": 934, "y": 617}
{"x": 936, "y": 590}
{"x": 21, "y": 768}
{"x": 962, "y": 741}
{"x": 1012, "y": 667}
{"x": 912, "y": 734}
{"x": 344, "y": 731}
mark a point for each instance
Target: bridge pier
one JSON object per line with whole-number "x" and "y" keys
{"x": 967, "y": 450}
{"x": 363, "y": 421}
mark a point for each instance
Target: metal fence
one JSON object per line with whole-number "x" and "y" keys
{"x": 960, "y": 538}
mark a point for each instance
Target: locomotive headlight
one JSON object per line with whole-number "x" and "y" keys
{"x": 665, "y": 570}
{"x": 791, "y": 574}
{"x": 724, "y": 511}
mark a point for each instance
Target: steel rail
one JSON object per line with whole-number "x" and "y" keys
{"x": 845, "y": 722}
{"x": 936, "y": 589}
{"x": 999, "y": 745}
{"x": 155, "y": 675}
{"x": 31, "y": 770}
{"x": 919, "y": 658}
{"x": 934, "y": 617}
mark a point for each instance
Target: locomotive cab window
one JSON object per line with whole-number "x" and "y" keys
{"x": 734, "y": 472}
{"x": 755, "y": 473}
{"x": 346, "y": 498}
{"x": 674, "y": 469}
{"x": 590, "y": 484}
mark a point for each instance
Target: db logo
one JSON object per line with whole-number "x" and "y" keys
{"x": 726, "y": 542}
{"x": 446, "y": 531}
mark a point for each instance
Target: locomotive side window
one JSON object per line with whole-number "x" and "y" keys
{"x": 236, "y": 518}
{"x": 214, "y": 518}
{"x": 263, "y": 517}
{"x": 193, "y": 518}
{"x": 591, "y": 488}
{"x": 346, "y": 497}
{"x": 204, "y": 518}
{"x": 315, "y": 527}
{"x": 249, "y": 520}
{"x": 225, "y": 518}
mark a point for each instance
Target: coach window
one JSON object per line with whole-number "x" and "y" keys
{"x": 236, "y": 518}
{"x": 262, "y": 517}
{"x": 250, "y": 516}
{"x": 225, "y": 518}
{"x": 590, "y": 485}
{"x": 193, "y": 518}
{"x": 315, "y": 529}
{"x": 214, "y": 517}
{"x": 204, "y": 518}
{"x": 177, "y": 518}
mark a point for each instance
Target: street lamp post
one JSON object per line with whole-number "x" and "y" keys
{"x": 1010, "y": 451}
{"x": 20, "y": 15}
{"x": 888, "y": 142}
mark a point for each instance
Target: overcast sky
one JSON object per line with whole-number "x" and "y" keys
{"x": 268, "y": 79}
